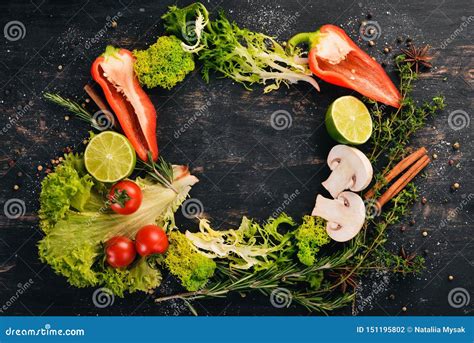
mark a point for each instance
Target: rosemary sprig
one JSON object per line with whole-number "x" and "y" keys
{"x": 72, "y": 107}
{"x": 161, "y": 171}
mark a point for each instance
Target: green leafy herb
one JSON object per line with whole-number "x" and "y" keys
{"x": 163, "y": 64}
{"x": 191, "y": 267}
{"x": 311, "y": 236}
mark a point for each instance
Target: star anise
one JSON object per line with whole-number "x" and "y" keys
{"x": 407, "y": 257}
{"x": 347, "y": 280}
{"x": 418, "y": 57}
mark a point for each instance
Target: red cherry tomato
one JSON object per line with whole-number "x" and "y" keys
{"x": 120, "y": 251}
{"x": 125, "y": 197}
{"x": 151, "y": 239}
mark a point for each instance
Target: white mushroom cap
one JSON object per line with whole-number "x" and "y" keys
{"x": 351, "y": 169}
{"x": 345, "y": 215}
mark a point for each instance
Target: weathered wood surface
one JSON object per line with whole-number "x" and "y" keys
{"x": 245, "y": 167}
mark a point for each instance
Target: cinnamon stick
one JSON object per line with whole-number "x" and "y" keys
{"x": 400, "y": 167}
{"x": 401, "y": 183}
{"x": 100, "y": 103}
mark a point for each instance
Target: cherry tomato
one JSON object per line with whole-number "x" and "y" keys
{"x": 120, "y": 251}
{"x": 151, "y": 239}
{"x": 125, "y": 197}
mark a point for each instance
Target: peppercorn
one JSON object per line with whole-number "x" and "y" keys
{"x": 425, "y": 233}
{"x": 399, "y": 40}
{"x": 391, "y": 296}
{"x": 435, "y": 156}
{"x": 450, "y": 162}
{"x": 455, "y": 186}
{"x": 371, "y": 43}
{"x": 114, "y": 24}
{"x": 403, "y": 228}
{"x": 16, "y": 187}
{"x": 404, "y": 309}
{"x": 450, "y": 278}
{"x": 412, "y": 222}
{"x": 386, "y": 50}
{"x": 456, "y": 146}
{"x": 40, "y": 168}
{"x": 369, "y": 16}
{"x": 424, "y": 200}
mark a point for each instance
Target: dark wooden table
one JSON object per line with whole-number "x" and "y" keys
{"x": 245, "y": 167}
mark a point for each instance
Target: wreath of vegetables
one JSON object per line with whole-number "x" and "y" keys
{"x": 285, "y": 259}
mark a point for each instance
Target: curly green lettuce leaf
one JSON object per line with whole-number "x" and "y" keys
{"x": 69, "y": 186}
{"x": 311, "y": 235}
{"x": 245, "y": 56}
{"x": 251, "y": 245}
{"x": 74, "y": 244}
{"x": 183, "y": 261}
{"x": 163, "y": 64}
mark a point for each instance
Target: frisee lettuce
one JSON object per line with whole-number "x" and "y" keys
{"x": 245, "y": 56}
{"x": 250, "y": 246}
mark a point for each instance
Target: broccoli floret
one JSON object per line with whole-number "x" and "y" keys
{"x": 191, "y": 267}
{"x": 163, "y": 64}
{"x": 310, "y": 236}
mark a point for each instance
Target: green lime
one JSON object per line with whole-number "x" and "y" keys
{"x": 348, "y": 121}
{"x": 109, "y": 157}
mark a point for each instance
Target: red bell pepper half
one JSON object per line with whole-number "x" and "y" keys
{"x": 336, "y": 59}
{"x": 114, "y": 72}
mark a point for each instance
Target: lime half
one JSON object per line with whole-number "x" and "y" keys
{"x": 109, "y": 157}
{"x": 348, "y": 121}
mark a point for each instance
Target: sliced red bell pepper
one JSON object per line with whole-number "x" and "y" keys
{"x": 336, "y": 59}
{"x": 114, "y": 72}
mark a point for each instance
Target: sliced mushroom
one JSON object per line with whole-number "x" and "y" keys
{"x": 345, "y": 215}
{"x": 351, "y": 169}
